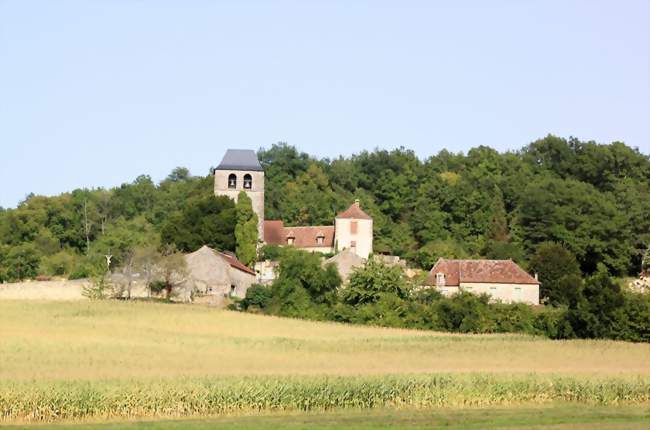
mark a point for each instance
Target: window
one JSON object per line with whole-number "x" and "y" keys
{"x": 353, "y": 244}
{"x": 353, "y": 227}
{"x": 232, "y": 290}
{"x": 440, "y": 279}
{"x": 290, "y": 240}
{"x": 248, "y": 181}
{"x": 232, "y": 181}
{"x": 320, "y": 240}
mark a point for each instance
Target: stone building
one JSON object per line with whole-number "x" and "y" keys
{"x": 217, "y": 274}
{"x": 240, "y": 170}
{"x": 352, "y": 230}
{"x": 503, "y": 280}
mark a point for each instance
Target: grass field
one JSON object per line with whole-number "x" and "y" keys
{"x": 555, "y": 417}
{"x": 123, "y": 360}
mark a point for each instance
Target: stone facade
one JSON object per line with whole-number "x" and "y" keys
{"x": 503, "y": 280}
{"x": 247, "y": 178}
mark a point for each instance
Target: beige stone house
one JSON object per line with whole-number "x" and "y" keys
{"x": 352, "y": 230}
{"x": 217, "y": 274}
{"x": 502, "y": 280}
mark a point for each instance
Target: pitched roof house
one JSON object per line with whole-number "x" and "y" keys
{"x": 503, "y": 280}
{"x": 216, "y": 273}
{"x": 352, "y": 230}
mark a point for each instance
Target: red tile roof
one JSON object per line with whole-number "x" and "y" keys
{"x": 487, "y": 271}
{"x": 275, "y": 233}
{"x": 354, "y": 211}
{"x": 234, "y": 262}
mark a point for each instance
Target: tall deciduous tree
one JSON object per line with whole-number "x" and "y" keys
{"x": 559, "y": 272}
{"x": 246, "y": 230}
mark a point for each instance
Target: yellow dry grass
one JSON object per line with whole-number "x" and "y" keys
{"x": 134, "y": 340}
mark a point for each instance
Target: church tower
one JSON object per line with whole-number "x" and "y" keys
{"x": 240, "y": 170}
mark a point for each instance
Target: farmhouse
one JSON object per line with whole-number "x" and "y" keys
{"x": 218, "y": 274}
{"x": 503, "y": 280}
{"x": 240, "y": 170}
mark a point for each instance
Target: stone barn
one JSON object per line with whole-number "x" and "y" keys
{"x": 218, "y": 274}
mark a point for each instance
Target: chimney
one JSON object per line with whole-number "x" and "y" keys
{"x": 356, "y": 202}
{"x": 536, "y": 278}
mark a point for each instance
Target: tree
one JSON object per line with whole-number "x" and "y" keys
{"x": 599, "y": 311}
{"x": 145, "y": 260}
{"x": 173, "y": 270}
{"x": 20, "y": 262}
{"x": 367, "y": 284}
{"x": 498, "y": 229}
{"x": 427, "y": 255}
{"x": 558, "y": 271}
{"x": 246, "y": 230}
{"x": 205, "y": 220}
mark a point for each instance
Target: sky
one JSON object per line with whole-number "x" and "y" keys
{"x": 95, "y": 93}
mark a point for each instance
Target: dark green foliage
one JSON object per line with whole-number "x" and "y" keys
{"x": 246, "y": 230}
{"x": 19, "y": 262}
{"x": 559, "y": 273}
{"x": 204, "y": 220}
{"x": 598, "y": 312}
{"x": 465, "y": 313}
{"x": 257, "y": 297}
{"x": 368, "y": 284}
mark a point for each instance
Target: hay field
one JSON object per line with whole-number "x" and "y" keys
{"x": 124, "y": 360}
{"x": 110, "y": 339}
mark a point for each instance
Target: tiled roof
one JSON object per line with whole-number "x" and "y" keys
{"x": 240, "y": 159}
{"x": 234, "y": 262}
{"x": 474, "y": 271}
{"x": 275, "y": 233}
{"x": 354, "y": 211}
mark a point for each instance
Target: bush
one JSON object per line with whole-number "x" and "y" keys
{"x": 61, "y": 263}
{"x": 257, "y": 297}
{"x": 554, "y": 323}
{"x": 465, "y": 313}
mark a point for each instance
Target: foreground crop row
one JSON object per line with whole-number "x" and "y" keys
{"x": 33, "y": 402}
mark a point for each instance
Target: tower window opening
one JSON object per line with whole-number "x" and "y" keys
{"x": 232, "y": 181}
{"x": 248, "y": 181}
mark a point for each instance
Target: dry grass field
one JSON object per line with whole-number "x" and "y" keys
{"x": 104, "y": 340}
{"x": 124, "y": 360}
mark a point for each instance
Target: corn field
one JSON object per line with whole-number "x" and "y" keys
{"x": 38, "y": 402}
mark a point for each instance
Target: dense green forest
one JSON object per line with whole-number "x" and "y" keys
{"x": 593, "y": 199}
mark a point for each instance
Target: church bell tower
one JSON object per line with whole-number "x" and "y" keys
{"x": 240, "y": 170}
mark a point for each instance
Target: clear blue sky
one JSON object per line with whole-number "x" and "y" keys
{"x": 94, "y": 93}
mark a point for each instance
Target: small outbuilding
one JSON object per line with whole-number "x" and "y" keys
{"x": 502, "y": 280}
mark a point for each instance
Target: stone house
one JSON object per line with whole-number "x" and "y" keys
{"x": 502, "y": 280}
{"x": 352, "y": 230}
{"x": 217, "y": 274}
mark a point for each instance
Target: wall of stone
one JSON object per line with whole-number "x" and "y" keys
{"x": 256, "y": 193}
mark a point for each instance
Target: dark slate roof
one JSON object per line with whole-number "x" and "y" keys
{"x": 240, "y": 159}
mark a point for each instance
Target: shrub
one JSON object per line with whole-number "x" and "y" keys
{"x": 257, "y": 297}
{"x": 61, "y": 263}
{"x": 465, "y": 313}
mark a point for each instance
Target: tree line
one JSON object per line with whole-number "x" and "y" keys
{"x": 592, "y": 199}
{"x": 380, "y": 294}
